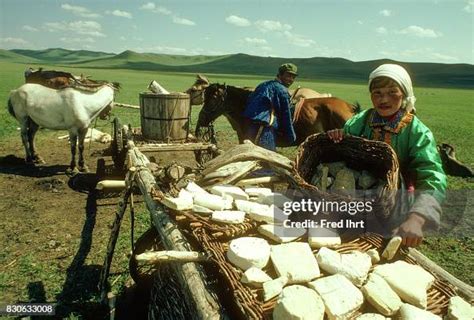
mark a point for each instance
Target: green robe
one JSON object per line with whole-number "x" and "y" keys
{"x": 418, "y": 157}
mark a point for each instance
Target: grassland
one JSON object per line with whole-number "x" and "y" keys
{"x": 448, "y": 112}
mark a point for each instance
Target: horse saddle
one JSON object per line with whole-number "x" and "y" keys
{"x": 451, "y": 165}
{"x": 60, "y": 80}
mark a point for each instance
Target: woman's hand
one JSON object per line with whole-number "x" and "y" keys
{"x": 411, "y": 230}
{"x": 336, "y": 135}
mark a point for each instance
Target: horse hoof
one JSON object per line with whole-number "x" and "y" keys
{"x": 84, "y": 169}
{"x": 72, "y": 171}
{"x": 30, "y": 162}
{"x": 38, "y": 160}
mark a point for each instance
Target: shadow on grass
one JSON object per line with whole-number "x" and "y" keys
{"x": 80, "y": 294}
{"x": 11, "y": 164}
{"x": 36, "y": 292}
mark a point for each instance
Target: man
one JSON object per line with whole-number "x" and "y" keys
{"x": 268, "y": 109}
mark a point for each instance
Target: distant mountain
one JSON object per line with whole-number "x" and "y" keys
{"x": 133, "y": 58}
{"x": 58, "y": 55}
{"x": 15, "y": 57}
{"x": 337, "y": 69}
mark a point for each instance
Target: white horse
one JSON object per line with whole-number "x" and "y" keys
{"x": 35, "y": 106}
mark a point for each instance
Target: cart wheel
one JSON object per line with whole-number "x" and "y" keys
{"x": 206, "y": 135}
{"x": 118, "y": 150}
{"x": 143, "y": 275}
{"x": 167, "y": 300}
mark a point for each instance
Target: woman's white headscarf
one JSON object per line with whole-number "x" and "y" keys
{"x": 400, "y": 76}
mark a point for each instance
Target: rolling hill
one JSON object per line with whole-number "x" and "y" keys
{"x": 58, "y": 55}
{"x": 337, "y": 69}
{"x": 129, "y": 56}
{"x": 15, "y": 57}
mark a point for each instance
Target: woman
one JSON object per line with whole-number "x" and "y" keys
{"x": 393, "y": 121}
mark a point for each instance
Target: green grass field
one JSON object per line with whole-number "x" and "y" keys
{"x": 447, "y": 112}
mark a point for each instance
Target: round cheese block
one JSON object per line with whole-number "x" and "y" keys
{"x": 249, "y": 252}
{"x": 299, "y": 302}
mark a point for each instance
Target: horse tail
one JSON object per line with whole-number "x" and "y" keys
{"x": 10, "y": 108}
{"x": 356, "y": 107}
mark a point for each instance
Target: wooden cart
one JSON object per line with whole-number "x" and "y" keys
{"x": 198, "y": 294}
{"x": 165, "y": 125}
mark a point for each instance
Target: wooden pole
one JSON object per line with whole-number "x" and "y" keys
{"x": 190, "y": 275}
{"x": 156, "y": 257}
{"x": 111, "y": 245}
{"x": 461, "y": 288}
{"x": 125, "y": 105}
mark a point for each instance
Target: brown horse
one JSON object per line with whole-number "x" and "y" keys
{"x": 311, "y": 116}
{"x": 196, "y": 92}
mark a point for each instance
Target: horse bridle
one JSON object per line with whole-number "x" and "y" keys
{"x": 215, "y": 107}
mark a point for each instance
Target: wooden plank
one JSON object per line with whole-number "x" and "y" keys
{"x": 125, "y": 105}
{"x": 157, "y": 257}
{"x": 190, "y": 275}
{"x": 249, "y": 151}
{"x": 159, "y": 147}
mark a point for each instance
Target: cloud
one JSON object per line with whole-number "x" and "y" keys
{"x": 166, "y": 49}
{"x": 77, "y": 40}
{"x": 255, "y": 40}
{"x": 29, "y": 28}
{"x": 360, "y": 22}
{"x": 469, "y": 6}
{"x": 427, "y": 54}
{"x": 381, "y": 30}
{"x": 420, "y": 54}
{"x": 237, "y": 21}
{"x": 122, "y": 38}
{"x": 179, "y": 50}
{"x": 14, "y": 41}
{"x": 183, "y": 21}
{"x": 299, "y": 40}
{"x": 444, "y": 57}
{"x": 385, "y": 13}
{"x": 150, "y": 6}
{"x": 266, "y": 48}
{"x": 90, "y": 28}
{"x": 119, "y": 13}
{"x": 80, "y": 11}
{"x": 420, "y": 32}
{"x": 272, "y": 25}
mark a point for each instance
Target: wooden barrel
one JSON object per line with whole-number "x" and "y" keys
{"x": 165, "y": 117}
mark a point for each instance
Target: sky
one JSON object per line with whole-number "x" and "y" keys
{"x": 358, "y": 30}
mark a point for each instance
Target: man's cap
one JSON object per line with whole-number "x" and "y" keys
{"x": 288, "y": 67}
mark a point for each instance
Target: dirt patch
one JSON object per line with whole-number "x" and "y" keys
{"x": 54, "y": 231}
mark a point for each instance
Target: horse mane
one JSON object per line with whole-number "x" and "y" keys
{"x": 242, "y": 93}
{"x": 356, "y": 107}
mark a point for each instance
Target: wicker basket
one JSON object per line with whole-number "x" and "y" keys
{"x": 359, "y": 154}
{"x": 246, "y": 302}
